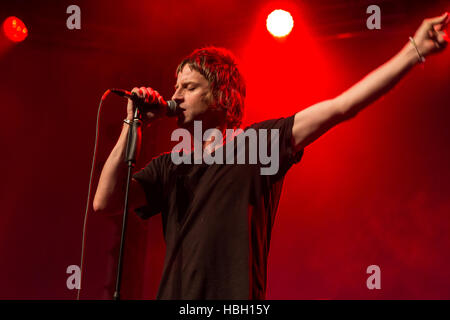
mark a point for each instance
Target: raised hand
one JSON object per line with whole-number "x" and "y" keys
{"x": 431, "y": 36}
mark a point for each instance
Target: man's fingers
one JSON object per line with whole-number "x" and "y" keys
{"x": 445, "y": 36}
{"x": 442, "y": 39}
{"x": 156, "y": 96}
{"x": 138, "y": 91}
{"x": 438, "y": 20}
{"x": 150, "y": 95}
{"x": 141, "y": 92}
{"x": 135, "y": 89}
{"x": 442, "y": 26}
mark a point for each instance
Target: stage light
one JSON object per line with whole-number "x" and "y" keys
{"x": 14, "y": 29}
{"x": 279, "y": 23}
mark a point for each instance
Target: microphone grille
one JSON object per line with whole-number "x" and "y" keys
{"x": 172, "y": 108}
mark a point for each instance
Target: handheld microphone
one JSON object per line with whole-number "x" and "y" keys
{"x": 172, "y": 106}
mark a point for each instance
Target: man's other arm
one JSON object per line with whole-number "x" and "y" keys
{"x": 314, "y": 121}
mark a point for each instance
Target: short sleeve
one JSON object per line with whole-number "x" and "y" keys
{"x": 151, "y": 180}
{"x": 287, "y": 153}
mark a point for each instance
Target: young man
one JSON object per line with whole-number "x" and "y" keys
{"x": 217, "y": 218}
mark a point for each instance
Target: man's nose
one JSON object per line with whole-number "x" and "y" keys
{"x": 177, "y": 97}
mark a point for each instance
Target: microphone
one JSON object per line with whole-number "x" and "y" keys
{"x": 172, "y": 106}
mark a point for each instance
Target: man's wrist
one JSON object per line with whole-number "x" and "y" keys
{"x": 410, "y": 54}
{"x": 130, "y": 122}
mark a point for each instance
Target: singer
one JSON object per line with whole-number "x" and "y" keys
{"x": 217, "y": 219}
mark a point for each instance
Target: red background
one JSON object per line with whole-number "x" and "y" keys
{"x": 374, "y": 190}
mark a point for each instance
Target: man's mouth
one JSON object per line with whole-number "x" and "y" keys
{"x": 180, "y": 111}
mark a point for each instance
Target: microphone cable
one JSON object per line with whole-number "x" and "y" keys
{"x": 83, "y": 241}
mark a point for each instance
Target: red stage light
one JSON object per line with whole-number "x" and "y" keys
{"x": 279, "y": 23}
{"x": 14, "y": 29}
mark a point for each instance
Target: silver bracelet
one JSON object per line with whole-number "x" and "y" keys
{"x": 130, "y": 122}
{"x": 421, "y": 57}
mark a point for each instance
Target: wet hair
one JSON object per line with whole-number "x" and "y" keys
{"x": 219, "y": 67}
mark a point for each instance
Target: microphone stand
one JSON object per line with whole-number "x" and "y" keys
{"x": 130, "y": 159}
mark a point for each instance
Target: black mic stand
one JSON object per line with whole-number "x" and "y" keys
{"x": 130, "y": 159}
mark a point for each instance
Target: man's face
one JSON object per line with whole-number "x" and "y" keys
{"x": 191, "y": 94}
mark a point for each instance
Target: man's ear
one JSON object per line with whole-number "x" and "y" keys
{"x": 219, "y": 113}
{"x": 209, "y": 99}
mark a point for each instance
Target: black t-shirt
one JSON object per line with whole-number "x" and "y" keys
{"x": 217, "y": 220}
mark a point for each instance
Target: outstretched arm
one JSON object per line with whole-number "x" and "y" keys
{"x": 312, "y": 122}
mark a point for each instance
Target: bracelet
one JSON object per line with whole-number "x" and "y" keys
{"x": 421, "y": 57}
{"x": 130, "y": 122}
